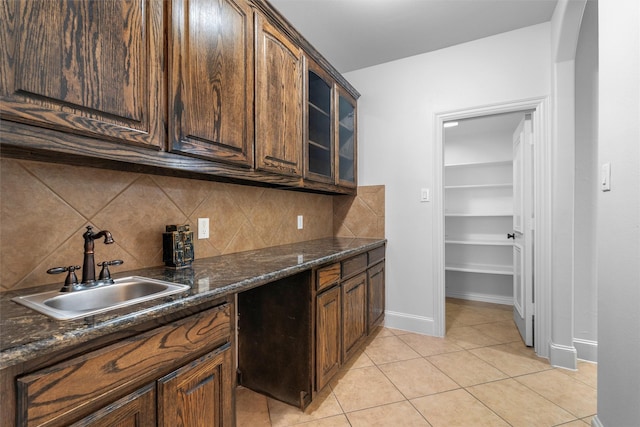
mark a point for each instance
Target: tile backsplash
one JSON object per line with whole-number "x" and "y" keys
{"x": 360, "y": 216}
{"x": 45, "y": 207}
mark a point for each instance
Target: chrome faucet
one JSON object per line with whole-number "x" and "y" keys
{"x": 89, "y": 265}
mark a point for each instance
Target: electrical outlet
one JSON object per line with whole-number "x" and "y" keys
{"x": 203, "y": 228}
{"x": 300, "y": 222}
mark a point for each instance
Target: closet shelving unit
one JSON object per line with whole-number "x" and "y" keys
{"x": 478, "y": 216}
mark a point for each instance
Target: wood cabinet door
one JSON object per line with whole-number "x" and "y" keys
{"x": 319, "y": 139}
{"x": 328, "y": 321}
{"x": 137, "y": 409}
{"x": 347, "y": 137}
{"x": 375, "y": 283}
{"x": 278, "y": 101}
{"x": 198, "y": 394}
{"x": 354, "y": 313}
{"x": 211, "y": 80}
{"x": 87, "y": 67}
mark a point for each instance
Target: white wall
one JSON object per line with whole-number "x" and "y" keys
{"x": 619, "y": 215}
{"x": 396, "y": 116}
{"x": 586, "y": 187}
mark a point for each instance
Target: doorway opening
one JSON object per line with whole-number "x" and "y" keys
{"x": 491, "y": 176}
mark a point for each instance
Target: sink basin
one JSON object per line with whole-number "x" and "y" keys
{"x": 124, "y": 292}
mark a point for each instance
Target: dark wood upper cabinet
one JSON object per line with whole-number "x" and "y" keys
{"x": 346, "y": 158}
{"x": 87, "y": 67}
{"x": 278, "y": 100}
{"x": 211, "y": 80}
{"x": 319, "y": 147}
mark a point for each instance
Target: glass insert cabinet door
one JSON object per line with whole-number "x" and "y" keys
{"x": 346, "y": 140}
{"x": 320, "y": 142}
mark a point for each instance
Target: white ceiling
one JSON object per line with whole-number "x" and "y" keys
{"x": 354, "y": 34}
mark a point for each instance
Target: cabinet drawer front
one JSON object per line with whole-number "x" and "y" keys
{"x": 376, "y": 255}
{"x": 328, "y": 276}
{"x": 354, "y": 265}
{"x": 82, "y": 384}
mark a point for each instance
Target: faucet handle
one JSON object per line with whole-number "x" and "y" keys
{"x": 71, "y": 279}
{"x": 105, "y": 274}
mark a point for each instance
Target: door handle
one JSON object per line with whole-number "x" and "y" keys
{"x": 511, "y": 236}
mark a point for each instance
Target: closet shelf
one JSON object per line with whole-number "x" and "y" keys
{"x": 473, "y": 164}
{"x": 479, "y": 242}
{"x": 481, "y": 268}
{"x": 478, "y": 214}
{"x": 477, "y": 186}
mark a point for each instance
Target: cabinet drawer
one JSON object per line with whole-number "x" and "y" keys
{"x": 82, "y": 384}
{"x": 327, "y": 276}
{"x": 376, "y": 255}
{"x": 354, "y": 265}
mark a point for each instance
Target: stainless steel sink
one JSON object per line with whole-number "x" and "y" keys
{"x": 124, "y": 292}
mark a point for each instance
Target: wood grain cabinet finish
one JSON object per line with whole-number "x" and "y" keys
{"x": 319, "y": 138}
{"x": 87, "y": 67}
{"x": 375, "y": 295}
{"x": 198, "y": 394}
{"x": 346, "y": 135}
{"x": 137, "y": 409}
{"x": 278, "y": 101}
{"x": 327, "y": 276}
{"x": 211, "y": 80}
{"x": 350, "y": 303}
{"x": 354, "y": 313}
{"x": 328, "y": 333}
{"x": 85, "y": 384}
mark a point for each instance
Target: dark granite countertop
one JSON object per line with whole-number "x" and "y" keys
{"x": 25, "y": 334}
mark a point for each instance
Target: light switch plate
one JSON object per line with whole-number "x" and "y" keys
{"x": 300, "y": 222}
{"x": 425, "y": 195}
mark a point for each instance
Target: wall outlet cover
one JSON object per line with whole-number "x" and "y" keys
{"x": 203, "y": 228}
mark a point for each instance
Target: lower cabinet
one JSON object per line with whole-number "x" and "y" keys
{"x": 136, "y": 409}
{"x": 354, "y": 314}
{"x": 198, "y": 394}
{"x": 328, "y": 325}
{"x": 375, "y": 291}
{"x": 349, "y": 305}
{"x": 162, "y": 383}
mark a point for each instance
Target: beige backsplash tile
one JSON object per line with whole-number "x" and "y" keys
{"x": 361, "y": 215}
{"x": 45, "y": 208}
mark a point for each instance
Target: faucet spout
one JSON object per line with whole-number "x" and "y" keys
{"x": 89, "y": 265}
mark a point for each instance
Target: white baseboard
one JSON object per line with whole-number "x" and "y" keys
{"x": 595, "y": 422}
{"x": 563, "y": 356}
{"x": 587, "y": 349}
{"x": 409, "y": 322}
{"x": 495, "y": 299}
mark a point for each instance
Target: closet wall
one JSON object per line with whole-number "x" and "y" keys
{"x": 479, "y": 208}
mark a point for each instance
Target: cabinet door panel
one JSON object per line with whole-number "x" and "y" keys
{"x": 137, "y": 409}
{"x": 354, "y": 313}
{"x": 211, "y": 93}
{"x": 328, "y": 315}
{"x": 278, "y": 101}
{"x": 319, "y": 153}
{"x": 375, "y": 295}
{"x": 196, "y": 394}
{"x": 88, "y": 67}
{"x": 346, "y": 135}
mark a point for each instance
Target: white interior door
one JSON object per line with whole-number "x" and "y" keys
{"x": 523, "y": 308}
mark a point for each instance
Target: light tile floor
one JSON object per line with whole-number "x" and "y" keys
{"x": 480, "y": 374}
